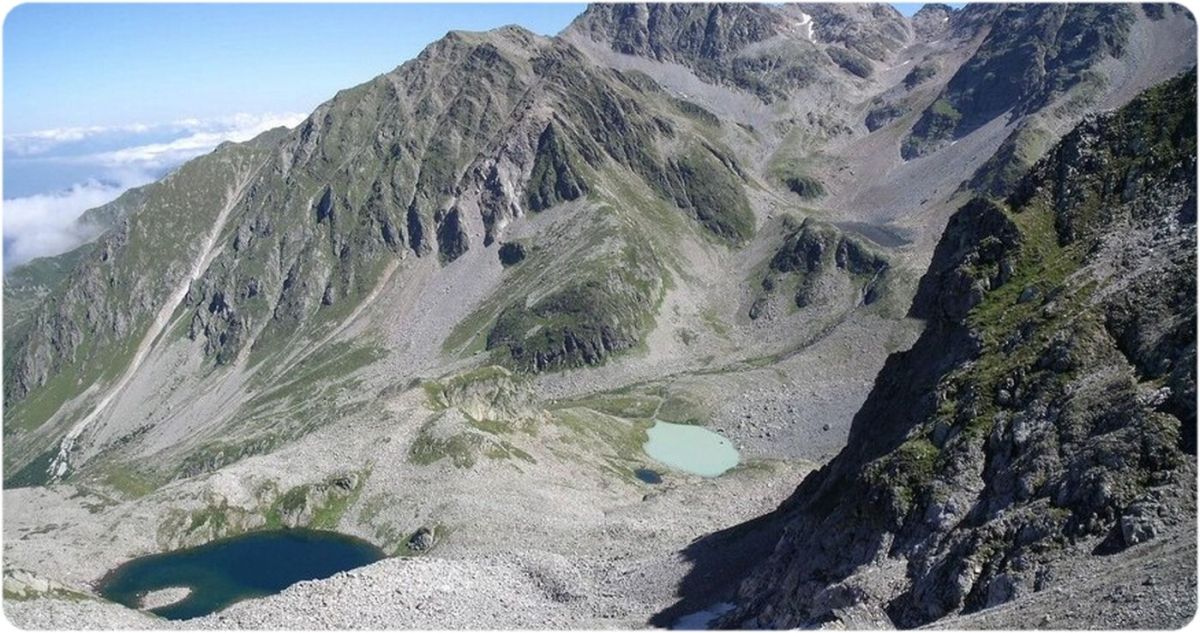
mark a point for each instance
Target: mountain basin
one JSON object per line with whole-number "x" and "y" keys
{"x": 691, "y": 449}
{"x": 225, "y": 571}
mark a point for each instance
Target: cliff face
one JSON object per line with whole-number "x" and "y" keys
{"x": 1030, "y": 55}
{"x": 408, "y": 165}
{"x": 1047, "y": 411}
{"x": 819, "y": 265}
{"x": 770, "y": 51}
{"x": 640, "y": 164}
{"x": 89, "y": 322}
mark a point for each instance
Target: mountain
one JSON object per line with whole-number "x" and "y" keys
{"x": 455, "y": 298}
{"x": 1048, "y": 409}
{"x": 1029, "y": 56}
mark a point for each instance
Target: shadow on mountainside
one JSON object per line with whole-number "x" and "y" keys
{"x": 827, "y": 498}
{"x": 719, "y": 562}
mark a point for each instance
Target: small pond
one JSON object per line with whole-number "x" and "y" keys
{"x": 648, "y": 475}
{"x": 692, "y": 449}
{"x": 222, "y": 572}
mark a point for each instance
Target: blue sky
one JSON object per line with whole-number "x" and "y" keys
{"x": 110, "y": 64}
{"x": 70, "y": 65}
{"x": 99, "y": 98}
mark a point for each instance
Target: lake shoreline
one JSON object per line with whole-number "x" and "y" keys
{"x": 164, "y": 597}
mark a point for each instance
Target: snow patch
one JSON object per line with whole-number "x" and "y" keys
{"x": 805, "y": 26}
{"x": 701, "y": 620}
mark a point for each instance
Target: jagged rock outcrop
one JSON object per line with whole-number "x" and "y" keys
{"x": 511, "y": 253}
{"x": 825, "y": 267}
{"x": 663, "y": 138}
{"x": 704, "y": 37}
{"x": 582, "y": 324}
{"x": 1030, "y": 55}
{"x": 487, "y": 393}
{"x": 317, "y": 504}
{"x": 770, "y": 51}
{"x": 931, "y": 20}
{"x": 872, "y": 30}
{"x": 884, "y": 114}
{"x": 555, "y": 178}
{"x": 1036, "y": 417}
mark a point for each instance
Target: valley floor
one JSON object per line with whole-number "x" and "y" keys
{"x": 613, "y": 574}
{"x": 634, "y": 564}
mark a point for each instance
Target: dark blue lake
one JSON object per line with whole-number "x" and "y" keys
{"x": 647, "y": 475}
{"x": 247, "y": 566}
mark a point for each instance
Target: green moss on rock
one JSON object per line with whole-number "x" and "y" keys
{"x": 851, "y": 61}
{"x": 556, "y": 177}
{"x": 704, "y": 185}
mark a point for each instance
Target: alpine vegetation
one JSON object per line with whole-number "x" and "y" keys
{"x": 716, "y": 315}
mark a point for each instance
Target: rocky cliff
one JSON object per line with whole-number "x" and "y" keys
{"x": 770, "y": 52}
{"x": 678, "y": 129}
{"x": 458, "y": 295}
{"x": 1030, "y": 55}
{"x": 308, "y": 224}
{"x": 1047, "y": 412}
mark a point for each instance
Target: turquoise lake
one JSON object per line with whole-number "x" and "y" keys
{"x": 691, "y": 449}
{"x": 222, "y": 572}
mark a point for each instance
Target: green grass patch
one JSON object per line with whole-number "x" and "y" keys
{"x": 331, "y": 364}
{"x": 129, "y": 481}
{"x": 629, "y": 406}
{"x": 618, "y": 440}
{"x": 462, "y": 449}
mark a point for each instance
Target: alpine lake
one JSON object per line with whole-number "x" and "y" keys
{"x": 222, "y": 572}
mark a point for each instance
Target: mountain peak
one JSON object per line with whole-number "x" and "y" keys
{"x": 504, "y": 264}
{"x": 931, "y": 20}
{"x": 669, "y": 32}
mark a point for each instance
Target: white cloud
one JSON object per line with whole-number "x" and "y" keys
{"x": 43, "y": 141}
{"x": 236, "y": 127}
{"x": 46, "y": 223}
{"x": 201, "y": 140}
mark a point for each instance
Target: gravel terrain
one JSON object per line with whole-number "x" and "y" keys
{"x": 1156, "y": 592}
{"x": 540, "y": 523}
{"x": 164, "y": 597}
{"x": 613, "y": 568}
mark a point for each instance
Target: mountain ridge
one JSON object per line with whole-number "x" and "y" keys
{"x": 470, "y": 285}
{"x": 938, "y": 469}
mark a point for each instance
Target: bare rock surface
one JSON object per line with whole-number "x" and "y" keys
{"x": 723, "y": 214}
{"x": 164, "y": 597}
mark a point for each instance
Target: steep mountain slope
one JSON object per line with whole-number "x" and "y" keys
{"x": 456, "y": 297}
{"x": 102, "y": 316}
{"x": 334, "y": 210}
{"x": 399, "y": 178}
{"x": 30, "y": 283}
{"x": 770, "y": 54}
{"x": 1048, "y": 410}
{"x": 1030, "y": 56}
